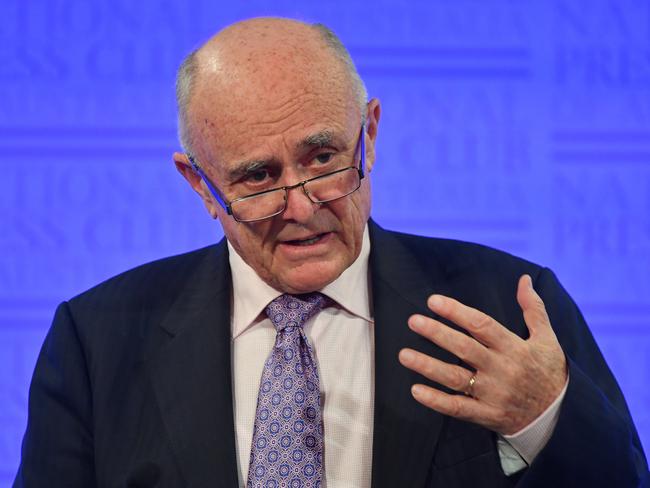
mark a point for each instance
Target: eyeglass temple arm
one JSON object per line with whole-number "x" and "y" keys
{"x": 362, "y": 144}
{"x": 209, "y": 184}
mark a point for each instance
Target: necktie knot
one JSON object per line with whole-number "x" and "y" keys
{"x": 294, "y": 310}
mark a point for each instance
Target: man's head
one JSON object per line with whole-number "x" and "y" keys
{"x": 268, "y": 103}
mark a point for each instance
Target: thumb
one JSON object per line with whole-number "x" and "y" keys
{"x": 533, "y": 308}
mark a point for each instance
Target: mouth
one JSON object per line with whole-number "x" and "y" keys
{"x": 309, "y": 247}
{"x": 309, "y": 241}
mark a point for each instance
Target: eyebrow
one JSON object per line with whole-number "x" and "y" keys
{"x": 246, "y": 168}
{"x": 319, "y": 139}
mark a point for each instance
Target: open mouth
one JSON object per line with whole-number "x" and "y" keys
{"x": 306, "y": 242}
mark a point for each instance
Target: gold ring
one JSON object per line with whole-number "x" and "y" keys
{"x": 470, "y": 386}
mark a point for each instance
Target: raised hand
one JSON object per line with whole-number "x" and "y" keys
{"x": 514, "y": 380}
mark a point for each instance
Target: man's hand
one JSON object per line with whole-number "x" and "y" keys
{"x": 515, "y": 380}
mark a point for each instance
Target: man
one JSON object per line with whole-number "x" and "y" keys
{"x": 180, "y": 373}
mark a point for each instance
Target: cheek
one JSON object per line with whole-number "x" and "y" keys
{"x": 359, "y": 208}
{"x": 365, "y": 195}
{"x": 247, "y": 240}
{"x": 230, "y": 229}
{"x": 352, "y": 216}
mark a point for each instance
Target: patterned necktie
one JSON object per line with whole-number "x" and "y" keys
{"x": 287, "y": 448}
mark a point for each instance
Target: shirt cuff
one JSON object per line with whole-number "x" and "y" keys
{"x": 530, "y": 440}
{"x": 511, "y": 461}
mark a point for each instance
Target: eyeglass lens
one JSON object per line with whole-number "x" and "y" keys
{"x": 320, "y": 190}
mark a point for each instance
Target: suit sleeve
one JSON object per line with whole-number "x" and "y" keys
{"x": 57, "y": 449}
{"x": 594, "y": 442}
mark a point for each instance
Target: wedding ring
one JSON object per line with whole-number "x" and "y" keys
{"x": 470, "y": 386}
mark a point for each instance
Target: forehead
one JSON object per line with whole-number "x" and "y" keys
{"x": 238, "y": 108}
{"x": 279, "y": 121}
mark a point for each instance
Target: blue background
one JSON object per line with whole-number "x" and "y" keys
{"x": 521, "y": 125}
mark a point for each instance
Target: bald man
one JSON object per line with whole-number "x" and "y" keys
{"x": 164, "y": 375}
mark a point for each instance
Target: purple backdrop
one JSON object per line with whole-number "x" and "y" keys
{"x": 526, "y": 123}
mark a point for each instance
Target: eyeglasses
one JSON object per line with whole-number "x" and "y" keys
{"x": 269, "y": 203}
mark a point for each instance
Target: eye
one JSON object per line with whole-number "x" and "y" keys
{"x": 324, "y": 158}
{"x": 258, "y": 176}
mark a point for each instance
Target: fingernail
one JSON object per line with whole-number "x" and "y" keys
{"x": 417, "y": 390}
{"x": 529, "y": 280}
{"x": 416, "y": 322}
{"x": 406, "y": 355}
{"x": 435, "y": 301}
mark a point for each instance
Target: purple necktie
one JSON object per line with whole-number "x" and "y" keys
{"x": 287, "y": 448}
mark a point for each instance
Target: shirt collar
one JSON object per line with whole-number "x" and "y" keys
{"x": 251, "y": 294}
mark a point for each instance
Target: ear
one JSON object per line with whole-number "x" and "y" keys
{"x": 185, "y": 168}
{"x": 372, "y": 122}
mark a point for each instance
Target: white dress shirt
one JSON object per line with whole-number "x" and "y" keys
{"x": 342, "y": 337}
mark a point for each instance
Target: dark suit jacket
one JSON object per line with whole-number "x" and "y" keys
{"x": 133, "y": 384}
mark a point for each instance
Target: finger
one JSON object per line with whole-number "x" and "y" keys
{"x": 533, "y": 308}
{"x": 481, "y": 326}
{"x": 458, "y": 406}
{"x": 462, "y": 346}
{"x": 449, "y": 375}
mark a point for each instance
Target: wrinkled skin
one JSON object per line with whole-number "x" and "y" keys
{"x": 516, "y": 379}
{"x": 256, "y": 99}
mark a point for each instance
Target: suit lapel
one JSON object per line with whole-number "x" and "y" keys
{"x": 191, "y": 372}
{"x": 405, "y": 432}
{"x": 191, "y": 375}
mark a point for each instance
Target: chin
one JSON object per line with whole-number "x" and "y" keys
{"x": 310, "y": 277}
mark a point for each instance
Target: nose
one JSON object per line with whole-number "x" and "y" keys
{"x": 299, "y": 207}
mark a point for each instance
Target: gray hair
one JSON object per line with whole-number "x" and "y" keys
{"x": 343, "y": 55}
{"x": 186, "y": 78}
